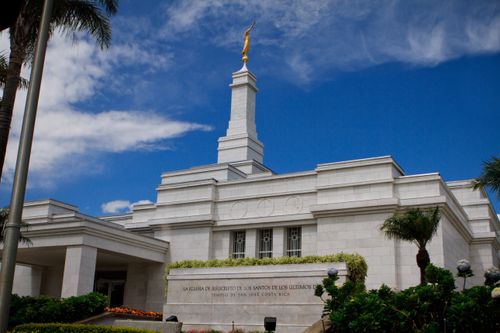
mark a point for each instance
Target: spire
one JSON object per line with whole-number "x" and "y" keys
{"x": 240, "y": 142}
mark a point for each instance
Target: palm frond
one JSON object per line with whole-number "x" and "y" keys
{"x": 4, "y": 215}
{"x": 4, "y": 67}
{"x": 415, "y": 225}
{"x": 490, "y": 177}
{"x": 71, "y": 16}
{"x": 111, "y": 6}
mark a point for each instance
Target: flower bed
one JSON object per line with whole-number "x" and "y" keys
{"x": 74, "y": 328}
{"x": 136, "y": 312}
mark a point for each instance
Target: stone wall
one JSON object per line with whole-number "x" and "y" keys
{"x": 214, "y": 298}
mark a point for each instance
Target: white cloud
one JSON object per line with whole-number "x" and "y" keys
{"x": 68, "y": 139}
{"x": 142, "y": 202}
{"x": 116, "y": 206}
{"x": 315, "y": 37}
{"x": 121, "y": 206}
{"x": 134, "y": 54}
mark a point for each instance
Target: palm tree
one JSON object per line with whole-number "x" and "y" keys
{"x": 23, "y": 83}
{"x": 417, "y": 226}
{"x": 4, "y": 214}
{"x": 490, "y": 177}
{"x": 69, "y": 16}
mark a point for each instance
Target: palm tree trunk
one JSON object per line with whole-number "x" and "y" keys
{"x": 8, "y": 99}
{"x": 17, "y": 56}
{"x": 423, "y": 260}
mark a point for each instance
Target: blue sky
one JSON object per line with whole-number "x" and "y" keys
{"x": 337, "y": 80}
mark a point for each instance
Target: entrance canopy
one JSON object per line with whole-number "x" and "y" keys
{"x": 68, "y": 249}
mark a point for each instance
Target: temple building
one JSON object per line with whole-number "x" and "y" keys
{"x": 238, "y": 207}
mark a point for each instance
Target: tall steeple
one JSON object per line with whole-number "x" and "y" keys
{"x": 240, "y": 142}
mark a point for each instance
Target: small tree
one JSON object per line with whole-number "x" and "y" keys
{"x": 417, "y": 226}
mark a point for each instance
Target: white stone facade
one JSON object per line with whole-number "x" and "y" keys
{"x": 73, "y": 254}
{"x": 244, "y": 295}
{"x": 337, "y": 207}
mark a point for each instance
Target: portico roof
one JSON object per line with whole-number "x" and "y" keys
{"x": 54, "y": 226}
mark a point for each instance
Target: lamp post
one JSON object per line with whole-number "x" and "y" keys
{"x": 491, "y": 276}
{"x": 13, "y": 225}
{"x": 333, "y": 273}
{"x": 464, "y": 270}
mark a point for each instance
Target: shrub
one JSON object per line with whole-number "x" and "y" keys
{"x": 44, "y": 309}
{"x": 474, "y": 310}
{"x": 356, "y": 264}
{"x": 74, "y": 328}
{"x": 425, "y": 308}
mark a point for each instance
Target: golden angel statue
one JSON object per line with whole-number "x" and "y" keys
{"x": 246, "y": 45}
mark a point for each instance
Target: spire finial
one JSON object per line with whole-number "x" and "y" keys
{"x": 246, "y": 45}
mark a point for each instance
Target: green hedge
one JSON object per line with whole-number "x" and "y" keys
{"x": 355, "y": 263}
{"x": 45, "y": 309}
{"x": 74, "y": 328}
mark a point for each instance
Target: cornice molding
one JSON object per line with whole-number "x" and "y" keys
{"x": 86, "y": 228}
{"x": 357, "y": 207}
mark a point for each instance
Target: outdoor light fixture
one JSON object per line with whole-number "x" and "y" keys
{"x": 333, "y": 273}
{"x": 464, "y": 271}
{"x": 492, "y": 276}
{"x": 463, "y": 266}
{"x": 270, "y": 324}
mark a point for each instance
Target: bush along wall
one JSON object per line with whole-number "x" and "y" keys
{"x": 434, "y": 307}
{"x": 46, "y": 310}
{"x": 356, "y": 264}
{"x": 74, "y": 328}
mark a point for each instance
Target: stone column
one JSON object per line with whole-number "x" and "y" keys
{"x": 27, "y": 280}
{"x": 155, "y": 297}
{"x": 79, "y": 271}
{"x": 136, "y": 286}
{"x": 278, "y": 242}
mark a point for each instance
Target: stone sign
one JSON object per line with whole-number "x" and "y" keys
{"x": 214, "y": 298}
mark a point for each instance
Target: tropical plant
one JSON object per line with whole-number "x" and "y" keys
{"x": 4, "y": 214}
{"x": 490, "y": 177}
{"x": 68, "y": 16}
{"x": 417, "y": 226}
{"x": 23, "y": 83}
{"x": 435, "y": 307}
{"x": 4, "y": 65}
